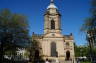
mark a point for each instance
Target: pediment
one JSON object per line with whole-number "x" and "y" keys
{"x": 53, "y": 35}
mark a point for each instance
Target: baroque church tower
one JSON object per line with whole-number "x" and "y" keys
{"x": 53, "y": 44}
{"x": 52, "y": 19}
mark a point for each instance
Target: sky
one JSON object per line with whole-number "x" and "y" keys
{"x": 73, "y": 14}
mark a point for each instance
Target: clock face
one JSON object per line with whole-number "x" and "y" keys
{"x": 52, "y": 17}
{"x": 53, "y": 34}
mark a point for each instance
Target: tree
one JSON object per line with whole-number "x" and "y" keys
{"x": 89, "y": 27}
{"x": 13, "y": 32}
{"x": 34, "y": 50}
{"x": 81, "y": 51}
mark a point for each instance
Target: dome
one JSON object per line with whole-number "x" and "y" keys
{"x": 51, "y": 6}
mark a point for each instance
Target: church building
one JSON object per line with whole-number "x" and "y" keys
{"x": 54, "y": 45}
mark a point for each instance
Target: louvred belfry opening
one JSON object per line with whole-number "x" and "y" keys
{"x": 52, "y": 24}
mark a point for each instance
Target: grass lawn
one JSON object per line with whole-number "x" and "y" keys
{"x": 85, "y": 62}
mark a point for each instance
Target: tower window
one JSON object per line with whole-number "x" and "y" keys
{"x": 52, "y": 24}
{"x": 67, "y": 44}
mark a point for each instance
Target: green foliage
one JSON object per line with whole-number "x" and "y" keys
{"x": 13, "y": 31}
{"x": 88, "y": 23}
{"x": 93, "y": 9}
{"x": 81, "y": 51}
{"x": 85, "y": 62}
{"x": 94, "y": 50}
{"x": 26, "y": 53}
{"x": 89, "y": 27}
{"x": 35, "y": 51}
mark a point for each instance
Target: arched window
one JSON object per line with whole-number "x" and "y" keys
{"x": 54, "y": 53}
{"x": 36, "y": 53}
{"x": 36, "y": 57}
{"x": 52, "y": 24}
{"x": 67, "y": 44}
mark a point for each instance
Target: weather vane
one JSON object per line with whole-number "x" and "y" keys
{"x": 52, "y": 1}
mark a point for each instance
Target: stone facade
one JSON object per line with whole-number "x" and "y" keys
{"x": 53, "y": 44}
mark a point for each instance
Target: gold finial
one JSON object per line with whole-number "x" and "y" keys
{"x": 52, "y": 1}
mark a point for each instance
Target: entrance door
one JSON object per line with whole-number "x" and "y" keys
{"x": 36, "y": 58}
{"x": 67, "y": 55}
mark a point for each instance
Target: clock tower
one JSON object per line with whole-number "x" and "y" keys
{"x": 52, "y": 19}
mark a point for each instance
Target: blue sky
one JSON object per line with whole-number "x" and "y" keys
{"x": 73, "y": 14}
